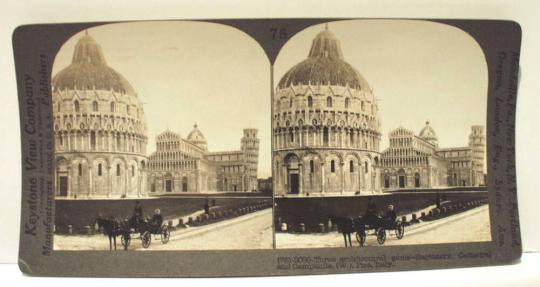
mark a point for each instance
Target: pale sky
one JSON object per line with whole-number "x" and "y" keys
{"x": 191, "y": 72}
{"x": 218, "y": 77}
{"x": 418, "y": 70}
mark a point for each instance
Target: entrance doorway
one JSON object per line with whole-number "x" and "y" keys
{"x": 63, "y": 184}
{"x": 168, "y": 185}
{"x": 401, "y": 181}
{"x": 184, "y": 184}
{"x": 292, "y": 183}
{"x": 295, "y": 188}
{"x": 417, "y": 180}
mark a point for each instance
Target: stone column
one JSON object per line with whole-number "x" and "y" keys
{"x": 342, "y": 177}
{"x": 110, "y": 179}
{"x": 323, "y": 189}
{"x": 70, "y": 181}
{"x": 197, "y": 184}
{"x": 127, "y": 181}
{"x": 300, "y": 178}
{"x": 90, "y": 183}
{"x": 285, "y": 178}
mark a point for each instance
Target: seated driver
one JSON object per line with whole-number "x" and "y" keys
{"x": 156, "y": 220}
{"x": 370, "y": 216}
{"x": 390, "y": 216}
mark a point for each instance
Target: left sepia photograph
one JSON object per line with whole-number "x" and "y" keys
{"x": 162, "y": 139}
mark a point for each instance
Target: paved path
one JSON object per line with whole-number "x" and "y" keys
{"x": 250, "y": 231}
{"x": 469, "y": 226}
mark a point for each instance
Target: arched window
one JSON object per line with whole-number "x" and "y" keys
{"x": 416, "y": 180}
{"x": 346, "y": 103}
{"x": 59, "y": 106}
{"x": 366, "y": 168}
{"x": 77, "y": 108}
{"x": 99, "y": 170}
{"x": 351, "y": 166}
{"x": 362, "y": 106}
{"x": 117, "y": 169}
{"x": 132, "y": 170}
{"x": 93, "y": 140}
{"x": 325, "y": 136}
{"x": 95, "y": 106}
{"x": 329, "y": 102}
{"x": 386, "y": 181}
{"x": 291, "y": 135}
{"x": 310, "y": 102}
{"x": 290, "y": 102}
{"x": 332, "y": 166}
{"x": 351, "y": 135}
{"x": 79, "y": 169}
{"x": 311, "y": 166}
{"x": 118, "y": 143}
{"x": 113, "y": 106}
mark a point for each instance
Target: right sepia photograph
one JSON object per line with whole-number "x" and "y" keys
{"x": 379, "y": 136}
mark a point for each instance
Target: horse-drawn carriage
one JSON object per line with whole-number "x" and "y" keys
{"x": 135, "y": 225}
{"x": 380, "y": 228}
{"x": 145, "y": 229}
{"x": 363, "y": 226}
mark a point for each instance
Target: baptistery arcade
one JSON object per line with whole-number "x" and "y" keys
{"x": 326, "y": 128}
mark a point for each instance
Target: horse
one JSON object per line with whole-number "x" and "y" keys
{"x": 345, "y": 226}
{"x": 110, "y": 228}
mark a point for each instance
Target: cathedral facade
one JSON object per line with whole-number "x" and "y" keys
{"x": 415, "y": 161}
{"x": 99, "y": 129}
{"x": 185, "y": 165}
{"x": 326, "y": 128}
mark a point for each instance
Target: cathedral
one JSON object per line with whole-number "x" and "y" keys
{"x": 99, "y": 129}
{"x": 326, "y": 127}
{"x": 415, "y": 161}
{"x": 185, "y": 165}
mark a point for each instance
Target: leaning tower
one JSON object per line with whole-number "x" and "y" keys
{"x": 477, "y": 142}
{"x": 250, "y": 149}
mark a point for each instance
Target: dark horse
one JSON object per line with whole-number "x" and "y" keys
{"x": 345, "y": 226}
{"x": 111, "y": 228}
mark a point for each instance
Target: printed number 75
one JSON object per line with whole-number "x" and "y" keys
{"x": 278, "y": 33}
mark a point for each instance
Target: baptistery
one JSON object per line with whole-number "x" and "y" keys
{"x": 99, "y": 128}
{"x": 326, "y": 128}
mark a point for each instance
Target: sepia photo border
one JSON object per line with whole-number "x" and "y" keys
{"x": 35, "y": 47}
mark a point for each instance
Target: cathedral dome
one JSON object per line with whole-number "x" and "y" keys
{"x": 428, "y": 134}
{"x": 89, "y": 70}
{"x": 197, "y": 138}
{"x": 324, "y": 66}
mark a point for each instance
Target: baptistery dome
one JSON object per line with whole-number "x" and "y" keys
{"x": 326, "y": 128}
{"x": 89, "y": 70}
{"x": 324, "y": 66}
{"x": 99, "y": 128}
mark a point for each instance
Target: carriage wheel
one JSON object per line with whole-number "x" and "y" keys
{"x": 165, "y": 235}
{"x": 361, "y": 238}
{"x": 125, "y": 239}
{"x": 146, "y": 239}
{"x": 400, "y": 231}
{"x": 381, "y": 236}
